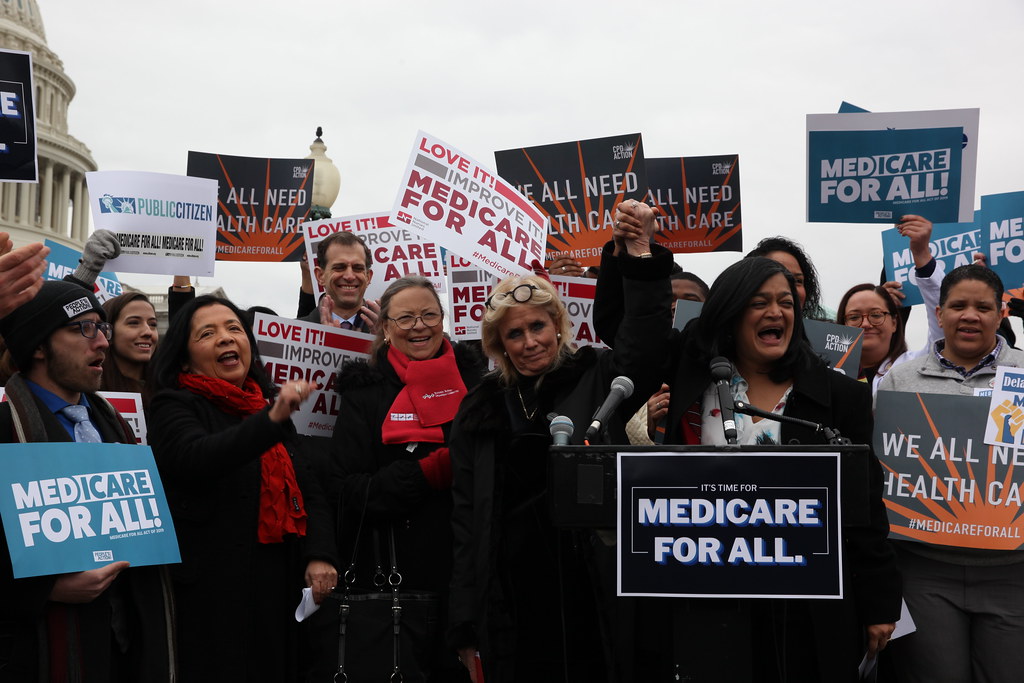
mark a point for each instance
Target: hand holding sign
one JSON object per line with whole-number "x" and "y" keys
{"x": 919, "y": 230}
{"x": 82, "y": 587}
{"x": 21, "y": 272}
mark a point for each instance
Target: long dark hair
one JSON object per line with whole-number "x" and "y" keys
{"x": 812, "y": 289}
{"x": 713, "y": 333}
{"x": 113, "y": 378}
{"x": 172, "y": 354}
{"x": 898, "y": 343}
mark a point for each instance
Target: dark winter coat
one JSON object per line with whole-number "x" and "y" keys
{"x": 235, "y": 596}
{"x": 483, "y": 439}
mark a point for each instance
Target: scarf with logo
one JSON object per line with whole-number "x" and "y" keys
{"x": 430, "y": 398}
{"x": 281, "y": 507}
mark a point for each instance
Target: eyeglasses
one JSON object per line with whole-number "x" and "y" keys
{"x": 521, "y": 294}
{"x": 88, "y": 328}
{"x": 876, "y": 318}
{"x": 407, "y": 322}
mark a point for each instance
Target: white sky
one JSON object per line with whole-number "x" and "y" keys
{"x": 256, "y": 78}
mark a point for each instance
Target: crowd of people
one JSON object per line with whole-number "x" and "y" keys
{"x": 434, "y": 486}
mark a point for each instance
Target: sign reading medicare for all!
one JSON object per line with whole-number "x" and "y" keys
{"x": 69, "y": 507}
{"x": 17, "y": 118}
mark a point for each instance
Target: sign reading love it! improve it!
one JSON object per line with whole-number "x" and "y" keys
{"x": 464, "y": 206}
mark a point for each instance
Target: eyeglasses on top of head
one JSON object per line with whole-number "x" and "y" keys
{"x": 88, "y": 328}
{"x": 407, "y": 322}
{"x": 876, "y": 318}
{"x": 521, "y": 294}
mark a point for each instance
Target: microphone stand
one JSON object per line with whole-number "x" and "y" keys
{"x": 832, "y": 435}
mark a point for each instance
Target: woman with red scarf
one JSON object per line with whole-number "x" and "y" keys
{"x": 390, "y": 447}
{"x": 247, "y": 515}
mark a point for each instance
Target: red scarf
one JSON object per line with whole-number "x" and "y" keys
{"x": 430, "y": 398}
{"x": 281, "y": 507}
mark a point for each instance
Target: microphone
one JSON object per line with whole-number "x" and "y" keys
{"x": 622, "y": 388}
{"x": 561, "y": 429}
{"x": 721, "y": 374}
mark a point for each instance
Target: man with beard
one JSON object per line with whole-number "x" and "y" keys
{"x": 104, "y": 624}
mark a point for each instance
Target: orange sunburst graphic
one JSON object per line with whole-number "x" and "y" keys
{"x": 268, "y": 225}
{"x": 700, "y": 199}
{"x": 956, "y": 497}
{"x": 576, "y": 186}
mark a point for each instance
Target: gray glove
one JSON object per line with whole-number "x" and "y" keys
{"x": 101, "y": 246}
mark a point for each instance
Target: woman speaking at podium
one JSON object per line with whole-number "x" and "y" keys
{"x": 751, "y": 318}
{"x": 521, "y": 591}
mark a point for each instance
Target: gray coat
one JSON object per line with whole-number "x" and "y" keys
{"x": 924, "y": 375}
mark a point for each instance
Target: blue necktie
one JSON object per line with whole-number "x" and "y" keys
{"x": 346, "y": 325}
{"x": 85, "y": 432}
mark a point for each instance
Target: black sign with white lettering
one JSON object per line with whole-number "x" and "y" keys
{"x": 753, "y": 525}
{"x": 17, "y": 118}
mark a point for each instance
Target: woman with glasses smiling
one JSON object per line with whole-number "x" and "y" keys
{"x": 390, "y": 447}
{"x": 874, "y": 309}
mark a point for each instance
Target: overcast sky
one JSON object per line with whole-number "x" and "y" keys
{"x": 256, "y": 78}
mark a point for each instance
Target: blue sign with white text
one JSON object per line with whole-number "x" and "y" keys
{"x": 1001, "y": 221}
{"x": 63, "y": 261}
{"x": 953, "y": 244}
{"x": 69, "y": 507}
{"x": 876, "y": 176}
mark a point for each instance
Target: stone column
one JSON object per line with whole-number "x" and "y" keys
{"x": 63, "y": 197}
{"x": 79, "y": 225}
{"x": 47, "y": 202}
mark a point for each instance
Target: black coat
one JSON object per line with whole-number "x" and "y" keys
{"x": 235, "y": 596}
{"x": 484, "y": 442}
{"x": 390, "y": 473}
{"x": 24, "y": 640}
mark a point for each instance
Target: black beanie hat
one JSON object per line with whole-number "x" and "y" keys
{"x": 58, "y": 302}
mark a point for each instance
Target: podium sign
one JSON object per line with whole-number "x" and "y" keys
{"x": 750, "y": 525}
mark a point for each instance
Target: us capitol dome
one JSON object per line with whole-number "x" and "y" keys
{"x": 57, "y": 207}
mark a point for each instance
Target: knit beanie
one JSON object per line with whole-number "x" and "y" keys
{"x": 58, "y": 302}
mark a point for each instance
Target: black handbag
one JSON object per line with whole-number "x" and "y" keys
{"x": 384, "y": 633}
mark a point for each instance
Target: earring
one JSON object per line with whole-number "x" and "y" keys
{"x": 559, "y": 335}
{"x": 505, "y": 353}
{"x": 387, "y": 342}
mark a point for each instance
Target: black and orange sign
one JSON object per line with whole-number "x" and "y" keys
{"x": 261, "y": 204}
{"x": 942, "y": 484}
{"x": 700, "y": 202}
{"x": 577, "y": 186}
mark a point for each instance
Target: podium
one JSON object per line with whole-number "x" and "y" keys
{"x": 705, "y": 629}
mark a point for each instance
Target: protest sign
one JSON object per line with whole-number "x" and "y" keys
{"x": 461, "y": 205}
{"x": 1001, "y": 221}
{"x": 69, "y": 507}
{"x": 577, "y": 185}
{"x": 164, "y": 223}
{"x": 18, "y": 161}
{"x": 753, "y": 525}
{"x": 395, "y": 251}
{"x": 1006, "y": 409}
{"x": 129, "y": 404}
{"x": 468, "y": 289}
{"x": 294, "y": 350}
{"x": 941, "y": 484}
{"x": 261, "y": 204}
{"x": 876, "y": 167}
{"x": 700, "y": 198}
{"x": 952, "y": 244}
{"x": 63, "y": 260}
{"x": 577, "y": 294}
{"x": 838, "y": 345}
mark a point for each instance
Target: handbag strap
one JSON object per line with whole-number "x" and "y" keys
{"x": 393, "y": 579}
